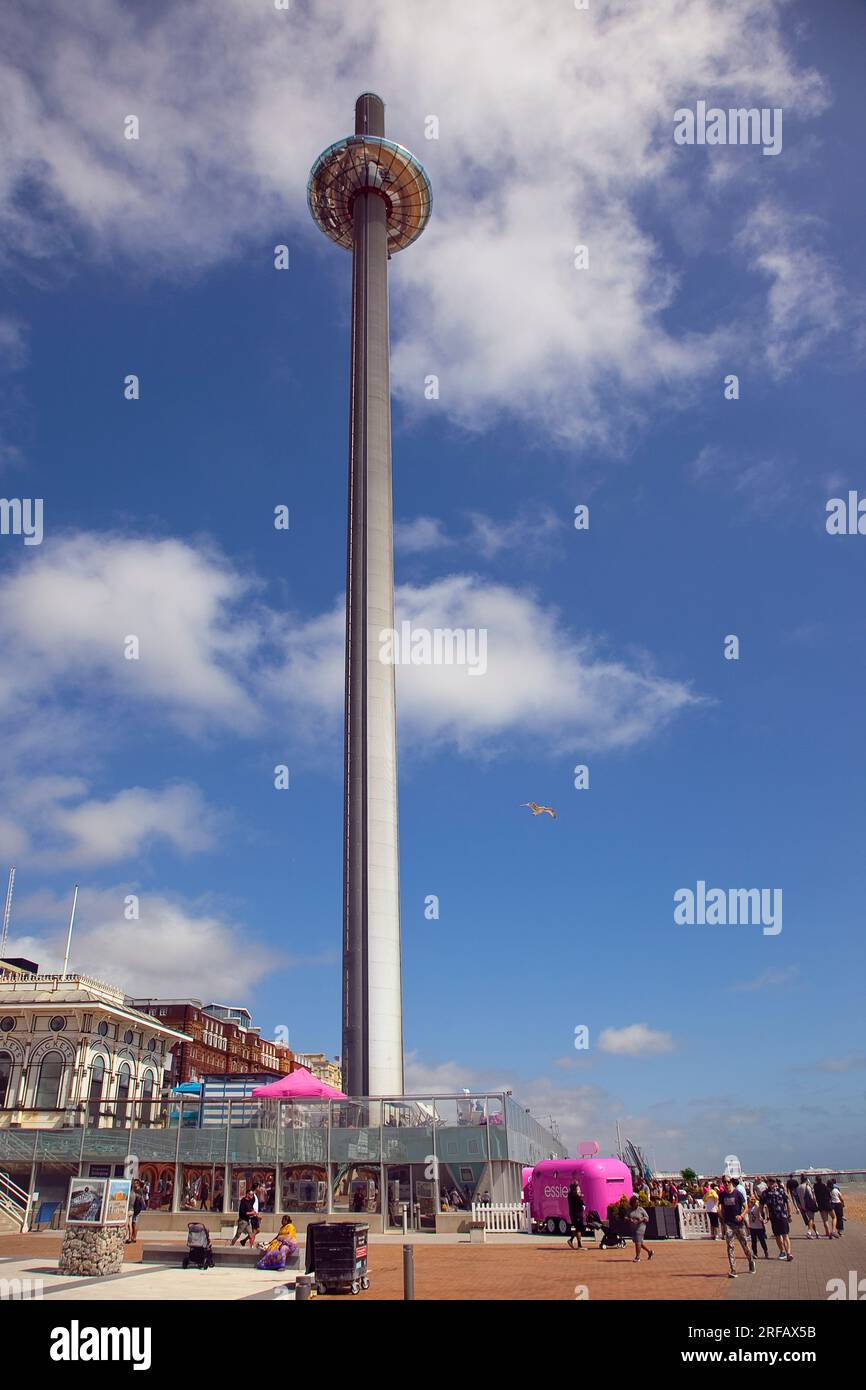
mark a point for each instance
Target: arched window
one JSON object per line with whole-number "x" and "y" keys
{"x": 5, "y": 1076}
{"x": 97, "y": 1081}
{"x": 124, "y": 1084}
{"x": 48, "y": 1085}
{"x": 147, "y": 1098}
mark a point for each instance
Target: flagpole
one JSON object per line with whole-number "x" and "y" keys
{"x": 69, "y": 933}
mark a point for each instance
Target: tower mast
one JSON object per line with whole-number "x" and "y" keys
{"x": 372, "y": 197}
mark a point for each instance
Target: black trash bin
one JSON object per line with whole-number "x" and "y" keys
{"x": 337, "y": 1255}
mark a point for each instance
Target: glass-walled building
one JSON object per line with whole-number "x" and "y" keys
{"x": 431, "y": 1155}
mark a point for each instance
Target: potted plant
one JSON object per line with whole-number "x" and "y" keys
{"x": 617, "y": 1215}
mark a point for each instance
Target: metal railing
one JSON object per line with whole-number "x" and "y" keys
{"x": 14, "y": 1201}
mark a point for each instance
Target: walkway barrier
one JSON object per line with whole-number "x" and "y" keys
{"x": 502, "y": 1216}
{"x": 694, "y": 1223}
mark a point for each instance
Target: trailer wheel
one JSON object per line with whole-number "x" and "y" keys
{"x": 550, "y": 1226}
{"x": 562, "y": 1227}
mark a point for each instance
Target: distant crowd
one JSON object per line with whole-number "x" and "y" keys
{"x": 735, "y": 1206}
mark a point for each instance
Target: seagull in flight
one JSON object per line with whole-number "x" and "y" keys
{"x": 538, "y": 810}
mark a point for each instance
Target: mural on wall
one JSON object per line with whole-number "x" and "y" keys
{"x": 159, "y": 1178}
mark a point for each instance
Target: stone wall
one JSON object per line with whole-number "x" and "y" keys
{"x": 92, "y": 1250}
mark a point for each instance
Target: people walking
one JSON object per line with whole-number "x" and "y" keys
{"x": 575, "y": 1213}
{"x": 757, "y": 1229}
{"x": 245, "y": 1232}
{"x": 638, "y": 1217}
{"x": 825, "y": 1207}
{"x": 808, "y": 1207}
{"x": 838, "y": 1206}
{"x": 732, "y": 1211}
{"x": 711, "y": 1207}
{"x": 139, "y": 1205}
{"x": 778, "y": 1205}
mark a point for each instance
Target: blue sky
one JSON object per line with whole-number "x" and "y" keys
{"x": 557, "y": 387}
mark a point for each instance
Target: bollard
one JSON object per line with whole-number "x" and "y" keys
{"x": 408, "y": 1271}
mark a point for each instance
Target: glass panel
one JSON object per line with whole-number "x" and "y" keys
{"x": 305, "y": 1187}
{"x": 48, "y": 1086}
{"x": 158, "y": 1182}
{"x": 260, "y": 1180}
{"x": 5, "y": 1075}
{"x": 202, "y": 1187}
{"x": 356, "y": 1188}
{"x": 97, "y": 1079}
{"x": 355, "y": 1131}
{"x": 496, "y": 1133}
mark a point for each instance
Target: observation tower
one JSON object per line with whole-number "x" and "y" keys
{"x": 372, "y": 197}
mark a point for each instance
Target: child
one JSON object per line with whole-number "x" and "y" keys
{"x": 757, "y": 1229}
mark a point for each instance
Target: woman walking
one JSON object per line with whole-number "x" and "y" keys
{"x": 575, "y": 1213}
{"x": 825, "y": 1207}
{"x": 757, "y": 1229}
{"x": 808, "y": 1207}
{"x": 838, "y": 1206}
{"x": 638, "y": 1218}
{"x": 711, "y": 1207}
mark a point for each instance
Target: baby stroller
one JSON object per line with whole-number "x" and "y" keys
{"x": 198, "y": 1252}
{"x": 609, "y": 1240}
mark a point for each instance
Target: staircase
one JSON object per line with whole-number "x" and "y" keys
{"x": 13, "y": 1205}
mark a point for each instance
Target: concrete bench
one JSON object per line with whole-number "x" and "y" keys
{"x": 224, "y": 1256}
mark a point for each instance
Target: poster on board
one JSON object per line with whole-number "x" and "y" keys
{"x": 86, "y": 1198}
{"x": 117, "y": 1202}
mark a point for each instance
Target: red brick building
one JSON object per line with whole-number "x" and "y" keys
{"x": 217, "y": 1044}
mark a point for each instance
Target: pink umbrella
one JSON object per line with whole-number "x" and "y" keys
{"x": 297, "y": 1084}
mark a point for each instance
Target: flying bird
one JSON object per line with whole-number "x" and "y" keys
{"x": 537, "y": 810}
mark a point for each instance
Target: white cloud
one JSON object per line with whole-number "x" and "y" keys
{"x": 637, "y": 1040}
{"x": 174, "y": 948}
{"x": 529, "y": 535}
{"x": 768, "y": 484}
{"x": 681, "y": 1129}
{"x": 13, "y": 342}
{"x": 853, "y": 1062}
{"x": 542, "y": 682}
{"x": 554, "y": 126}
{"x": 420, "y": 534}
{"x": 806, "y": 301}
{"x": 68, "y": 611}
{"x": 213, "y": 658}
{"x": 770, "y": 979}
{"x": 54, "y": 825}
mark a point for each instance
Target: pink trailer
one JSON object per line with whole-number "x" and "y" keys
{"x": 526, "y": 1183}
{"x": 602, "y": 1181}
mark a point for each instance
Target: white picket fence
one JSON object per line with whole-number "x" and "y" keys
{"x": 694, "y": 1223}
{"x": 502, "y": 1216}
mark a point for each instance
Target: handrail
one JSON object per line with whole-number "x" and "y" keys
{"x": 6, "y": 1181}
{"x": 15, "y": 1202}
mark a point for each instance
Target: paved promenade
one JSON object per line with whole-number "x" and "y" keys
{"x": 506, "y": 1268}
